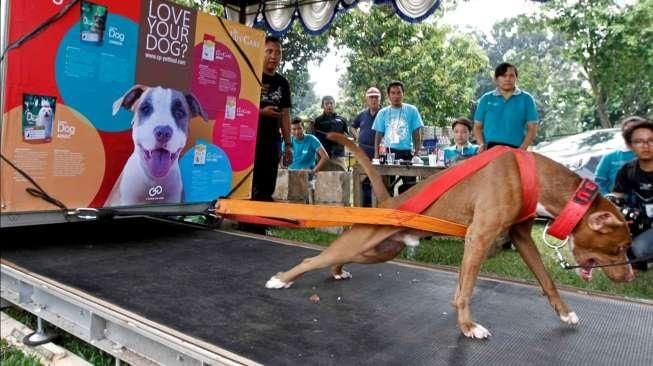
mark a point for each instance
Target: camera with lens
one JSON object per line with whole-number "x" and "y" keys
{"x": 631, "y": 214}
{"x": 636, "y": 221}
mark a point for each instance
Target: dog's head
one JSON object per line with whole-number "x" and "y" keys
{"x": 160, "y": 124}
{"x": 602, "y": 238}
{"x": 45, "y": 113}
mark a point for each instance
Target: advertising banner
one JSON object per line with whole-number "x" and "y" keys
{"x": 122, "y": 103}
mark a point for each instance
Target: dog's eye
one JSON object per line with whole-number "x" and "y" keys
{"x": 145, "y": 109}
{"x": 178, "y": 111}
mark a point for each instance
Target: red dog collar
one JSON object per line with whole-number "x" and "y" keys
{"x": 574, "y": 210}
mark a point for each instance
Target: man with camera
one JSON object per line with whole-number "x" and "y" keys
{"x": 633, "y": 191}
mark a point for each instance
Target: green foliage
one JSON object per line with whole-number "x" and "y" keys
{"x": 12, "y": 356}
{"x": 299, "y": 49}
{"x": 612, "y": 44}
{"x": 207, "y": 6}
{"x": 436, "y": 65}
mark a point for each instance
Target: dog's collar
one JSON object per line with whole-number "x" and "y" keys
{"x": 574, "y": 210}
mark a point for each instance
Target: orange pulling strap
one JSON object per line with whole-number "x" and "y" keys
{"x": 301, "y": 215}
{"x": 407, "y": 215}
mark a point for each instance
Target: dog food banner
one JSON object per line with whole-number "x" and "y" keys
{"x": 124, "y": 103}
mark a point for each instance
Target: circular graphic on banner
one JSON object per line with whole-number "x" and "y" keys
{"x": 93, "y": 73}
{"x": 216, "y": 78}
{"x": 69, "y": 167}
{"x": 237, "y": 137}
{"x": 206, "y": 173}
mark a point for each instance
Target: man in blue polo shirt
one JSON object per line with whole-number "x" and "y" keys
{"x": 507, "y": 115}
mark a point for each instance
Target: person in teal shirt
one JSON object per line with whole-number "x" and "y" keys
{"x": 610, "y": 163}
{"x": 305, "y": 148}
{"x": 462, "y": 148}
{"x": 507, "y": 115}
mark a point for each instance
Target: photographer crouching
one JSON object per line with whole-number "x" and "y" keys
{"x": 633, "y": 192}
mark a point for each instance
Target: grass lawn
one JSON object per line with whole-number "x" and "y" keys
{"x": 506, "y": 264}
{"x": 12, "y": 356}
{"x": 66, "y": 340}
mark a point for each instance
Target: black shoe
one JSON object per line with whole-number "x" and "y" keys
{"x": 252, "y": 228}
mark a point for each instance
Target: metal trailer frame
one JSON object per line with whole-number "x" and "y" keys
{"x": 125, "y": 335}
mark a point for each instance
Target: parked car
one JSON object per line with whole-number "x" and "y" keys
{"x": 582, "y": 152}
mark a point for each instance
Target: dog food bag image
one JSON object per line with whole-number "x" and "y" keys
{"x": 208, "y": 48}
{"x": 93, "y": 19}
{"x": 38, "y": 117}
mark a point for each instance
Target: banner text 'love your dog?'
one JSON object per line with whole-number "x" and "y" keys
{"x": 168, "y": 32}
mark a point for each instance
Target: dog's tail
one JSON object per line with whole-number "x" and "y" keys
{"x": 380, "y": 191}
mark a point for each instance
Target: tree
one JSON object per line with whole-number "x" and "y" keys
{"x": 300, "y": 48}
{"x": 613, "y": 47}
{"x": 544, "y": 72}
{"x": 436, "y": 65}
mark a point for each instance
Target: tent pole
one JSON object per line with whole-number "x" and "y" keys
{"x": 242, "y": 16}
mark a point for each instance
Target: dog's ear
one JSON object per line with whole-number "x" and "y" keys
{"x": 195, "y": 107}
{"x": 129, "y": 98}
{"x": 604, "y": 222}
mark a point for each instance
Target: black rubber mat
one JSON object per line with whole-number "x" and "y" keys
{"x": 210, "y": 285}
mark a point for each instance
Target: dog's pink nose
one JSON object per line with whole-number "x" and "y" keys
{"x": 162, "y": 134}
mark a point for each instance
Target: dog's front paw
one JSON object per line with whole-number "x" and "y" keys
{"x": 276, "y": 283}
{"x": 475, "y": 330}
{"x": 571, "y": 318}
{"x": 343, "y": 275}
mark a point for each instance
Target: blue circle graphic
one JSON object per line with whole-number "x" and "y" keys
{"x": 91, "y": 75}
{"x": 205, "y": 172}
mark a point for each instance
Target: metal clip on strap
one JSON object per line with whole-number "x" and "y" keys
{"x": 559, "y": 257}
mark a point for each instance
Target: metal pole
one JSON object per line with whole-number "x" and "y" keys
{"x": 242, "y": 13}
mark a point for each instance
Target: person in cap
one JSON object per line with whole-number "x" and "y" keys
{"x": 330, "y": 121}
{"x": 361, "y": 130}
{"x": 462, "y": 148}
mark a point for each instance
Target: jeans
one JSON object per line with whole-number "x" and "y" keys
{"x": 642, "y": 246}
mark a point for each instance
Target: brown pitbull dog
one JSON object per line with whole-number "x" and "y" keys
{"x": 488, "y": 202}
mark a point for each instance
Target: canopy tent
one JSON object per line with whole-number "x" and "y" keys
{"x": 316, "y": 15}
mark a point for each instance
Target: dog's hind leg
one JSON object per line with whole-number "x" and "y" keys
{"x": 521, "y": 237}
{"x": 345, "y": 249}
{"x": 339, "y": 273}
{"x": 477, "y": 243}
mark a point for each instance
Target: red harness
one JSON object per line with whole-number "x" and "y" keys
{"x": 453, "y": 175}
{"x": 566, "y": 221}
{"x": 563, "y": 225}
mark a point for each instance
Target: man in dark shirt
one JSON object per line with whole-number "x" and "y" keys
{"x": 327, "y": 122}
{"x": 274, "y": 114}
{"x": 361, "y": 129}
{"x": 634, "y": 183}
